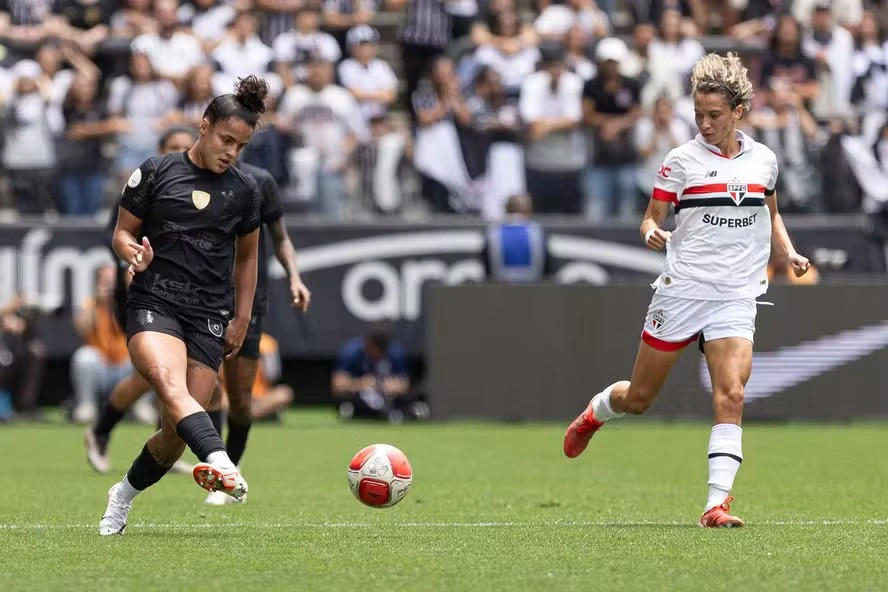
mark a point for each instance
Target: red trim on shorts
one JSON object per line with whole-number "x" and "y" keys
{"x": 720, "y": 188}
{"x": 663, "y": 195}
{"x": 666, "y": 346}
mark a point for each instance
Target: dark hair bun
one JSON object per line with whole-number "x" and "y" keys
{"x": 250, "y": 93}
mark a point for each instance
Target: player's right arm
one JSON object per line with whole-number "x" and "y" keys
{"x": 667, "y": 189}
{"x": 134, "y": 203}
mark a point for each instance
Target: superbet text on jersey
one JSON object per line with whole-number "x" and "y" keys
{"x": 722, "y": 241}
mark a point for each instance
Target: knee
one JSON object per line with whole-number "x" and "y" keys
{"x": 728, "y": 398}
{"x": 240, "y": 408}
{"x": 162, "y": 380}
{"x": 639, "y": 399}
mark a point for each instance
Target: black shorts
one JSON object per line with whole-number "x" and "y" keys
{"x": 203, "y": 335}
{"x": 250, "y": 348}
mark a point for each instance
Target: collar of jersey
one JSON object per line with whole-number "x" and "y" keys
{"x": 745, "y": 145}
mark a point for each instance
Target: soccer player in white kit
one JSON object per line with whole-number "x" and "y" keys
{"x": 722, "y": 187}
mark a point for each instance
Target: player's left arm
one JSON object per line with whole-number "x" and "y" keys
{"x": 246, "y": 270}
{"x": 781, "y": 245}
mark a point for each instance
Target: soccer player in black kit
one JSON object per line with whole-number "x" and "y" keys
{"x": 199, "y": 220}
{"x": 240, "y": 371}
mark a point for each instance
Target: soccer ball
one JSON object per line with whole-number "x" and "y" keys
{"x": 379, "y": 475}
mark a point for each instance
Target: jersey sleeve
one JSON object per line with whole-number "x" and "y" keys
{"x": 139, "y": 190}
{"x": 251, "y": 216}
{"x": 670, "y": 179}
{"x": 771, "y": 187}
{"x": 272, "y": 210}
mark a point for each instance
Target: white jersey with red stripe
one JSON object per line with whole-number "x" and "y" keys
{"x": 722, "y": 240}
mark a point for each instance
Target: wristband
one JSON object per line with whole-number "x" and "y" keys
{"x": 648, "y": 234}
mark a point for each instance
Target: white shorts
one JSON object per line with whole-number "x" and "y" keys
{"x": 672, "y": 323}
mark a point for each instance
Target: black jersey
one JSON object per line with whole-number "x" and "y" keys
{"x": 270, "y": 211}
{"x": 192, "y": 217}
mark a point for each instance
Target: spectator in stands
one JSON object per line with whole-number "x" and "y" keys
{"x": 171, "y": 51}
{"x": 342, "y": 15}
{"x": 133, "y": 19}
{"x": 325, "y": 126}
{"x": 380, "y": 161}
{"x": 832, "y": 49}
{"x": 196, "y": 96}
{"x": 26, "y": 24}
{"x": 870, "y": 93}
{"x": 463, "y": 15}
{"x": 270, "y": 398}
{"x": 786, "y": 126}
{"x": 50, "y": 56}
{"x": 29, "y": 154}
{"x": 267, "y": 148}
{"x": 370, "y": 79}
{"x": 241, "y": 53}
{"x": 82, "y": 176}
{"x": 208, "y": 20}
{"x": 481, "y": 34}
{"x": 786, "y": 61}
{"x": 498, "y": 132}
{"x": 551, "y": 108}
{"x": 293, "y": 48}
{"x": 556, "y": 20}
{"x": 22, "y": 359}
{"x": 145, "y": 101}
{"x": 636, "y": 65}
{"x": 848, "y": 12}
{"x": 103, "y": 359}
{"x": 577, "y": 60}
{"x": 611, "y": 109}
{"x": 515, "y": 250}
{"x": 758, "y": 18}
{"x": 512, "y": 66}
{"x": 440, "y": 111}
{"x": 370, "y": 379}
{"x": 86, "y": 22}
{"x": 671, "y": 57}
{"x": 654, "y": 137}
{"x": 424, "y": 37}
{"x": 693, "y": 12}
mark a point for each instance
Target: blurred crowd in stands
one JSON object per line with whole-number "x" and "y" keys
{"x": 417, "y": 106}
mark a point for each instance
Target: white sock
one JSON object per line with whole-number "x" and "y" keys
{"x": 725, "y": 456}
{"x": 126, "y": 491}
{"x": 220, "y": 459}
{"x": 601, "y": 406}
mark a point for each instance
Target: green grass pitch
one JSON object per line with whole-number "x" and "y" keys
{"x": 492, "y": 508}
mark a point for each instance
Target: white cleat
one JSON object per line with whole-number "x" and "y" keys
{"x": 182, "y": 467}
{"x": 214, "y": 478}
{"x": 95, "y": 456}
{"x": 116, "y": 514}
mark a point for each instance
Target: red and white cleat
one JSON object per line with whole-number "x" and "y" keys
{"x": 719, "y": 517}
{"x": 213, "y": 478}
{"x": 580, "y": 432}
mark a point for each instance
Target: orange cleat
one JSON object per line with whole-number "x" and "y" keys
{"x": 580, "y": 432}
{"x": 718, "y": 516}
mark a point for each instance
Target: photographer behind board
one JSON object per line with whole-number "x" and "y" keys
{"x": 22, "y": 359}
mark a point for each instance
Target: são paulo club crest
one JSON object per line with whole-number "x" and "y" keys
{"x": 737, "y": 191}
{"x": 658, "y": 319}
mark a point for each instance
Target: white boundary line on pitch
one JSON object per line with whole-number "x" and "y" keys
{"x": 565, "y": 524}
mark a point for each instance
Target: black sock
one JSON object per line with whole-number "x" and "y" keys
{"x": 237, "y": 439}
{"x": 108, "y": 418}
{"x": 198, "y": 432}
{"x": 216, "y": 418}
{"x": 145, "y": 471}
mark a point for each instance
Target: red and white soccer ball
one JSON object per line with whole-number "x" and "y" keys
{"x": 380, "y": 475}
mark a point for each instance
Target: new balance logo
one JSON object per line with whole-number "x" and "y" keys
{"x": 788, "y": 367}
{"x": 712, "y": 174}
